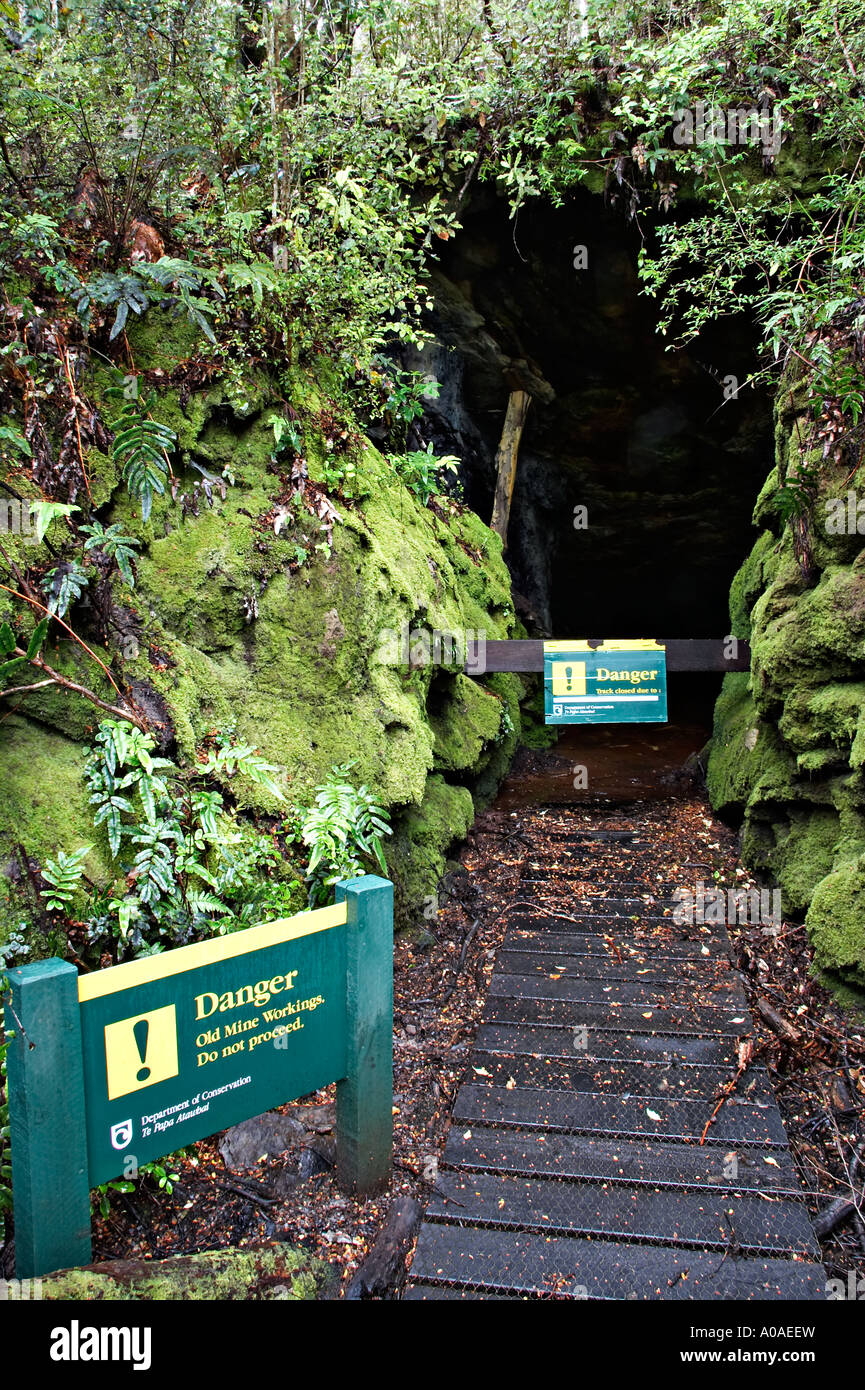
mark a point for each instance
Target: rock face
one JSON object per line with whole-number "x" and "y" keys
{"x": 243, "y": 616}
{"x": 246, "y": 1144}
{"x": 788, "y": 750}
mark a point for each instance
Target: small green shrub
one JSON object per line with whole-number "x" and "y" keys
{"x": 422, "y": 472}
{"x": 187, "y": 869}
{"x": 343, "y": 830}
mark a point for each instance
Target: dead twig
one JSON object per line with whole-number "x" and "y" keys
{"x": 461, "y": 961}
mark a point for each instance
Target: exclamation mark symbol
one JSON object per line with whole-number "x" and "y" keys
{"x": 140, "y": 1031}
{"x": 569, "y": 676}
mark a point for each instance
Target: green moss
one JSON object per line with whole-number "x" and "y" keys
{"x": 261, "y": 1274}
{"x": 44, "y": 808}
{"x": 820, "y": 760}
{"x": 857, "y": 748}
{"x": 748, "y": 583}
{"x": 303, "y": 677}
{"x": 494, "y": 764}
{"x": 836, "y": 922}
{"x": 805, "y": 854}
{"x": 765, "y": 513}
{"x": 808, "y": 636}
{"x": 65, "y": 710}
{"x": 746, "y": 753}
{"x": 536, "y": 733}
{"x": 803, "y": 797}
{"x": 828, "y": 714}
{"x": 851, "y": 999}
{"x": 230, "y": 632}
{"x": 464, "y": 718}
{"x": 423, "y": 836}
{"x": 159, "y": 339}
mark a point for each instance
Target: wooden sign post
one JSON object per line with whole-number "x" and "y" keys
{"x": 113, "y": 1069}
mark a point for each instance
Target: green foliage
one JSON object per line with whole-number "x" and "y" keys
{"x": 190, "y": 870}
{"x": 141, "y": 447}
{"x": 120, "y": 293}
{"x": 162, "y": 1172}
{"x": 387, "y": 392}
{"x": 287, "y": 437}
{"x": 36, "y": 234}
{"x": 12, "y": 442}
{"x": 258, "y": 276}
{"x": 8, "y": 644}
{"x": 37, "y": 639}
{"x": 422, "y": 472}
{"x": 63, "y": 586}
{"x": 115, "y": 545}
{"x": 308, "y": 163}
{"x": 64, "y": 874}
{"x": 343, "y": 831}
{"x": 46, "y": 512}
{"x": 185, "y": 281}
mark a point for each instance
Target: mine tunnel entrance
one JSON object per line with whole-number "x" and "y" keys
{"x": 665, "y": 450}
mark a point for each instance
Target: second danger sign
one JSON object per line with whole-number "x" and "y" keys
{"x": 621, "y": 681}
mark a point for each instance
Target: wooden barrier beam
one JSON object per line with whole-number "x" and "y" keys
{"x": 683, "y": 654}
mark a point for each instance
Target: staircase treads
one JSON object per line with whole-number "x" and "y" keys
{"x": 418, "y": 1292}
{"x": 517, "y": 1039}
{"x": 660, "y": 944}
{"x": 525, "y": 1262}
{"x": 600, "y": 904}
{"x": 592, "y": 1113}
{"x": 684, "y": 1018}
{"x": 618, "y": 966}
{"x": 703, "y": 994}
{"x": 623, "y": 888}
{"x": 707, "y": 1219}
{"x": 594, "y": 870}
{"x": 589, "y": 923}
{"x": 590, "y": 1157}
{"x": 640, "y": 1078}
{"x": 594, "y": 1150}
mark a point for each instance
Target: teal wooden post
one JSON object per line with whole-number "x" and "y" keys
{"x": 364, "y": 1100}
{"x": 45, "y": 1078}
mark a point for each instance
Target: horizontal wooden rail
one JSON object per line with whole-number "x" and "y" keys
{"x": 683, "y": 654}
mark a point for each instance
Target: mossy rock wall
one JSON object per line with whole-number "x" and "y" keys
{"x": 788, "y": 748}
{"x": 224, "y": 627}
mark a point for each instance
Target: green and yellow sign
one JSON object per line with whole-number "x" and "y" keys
{"x": 620, "y": 681}
{"x": 113, "y": 1069}
{"x": 183, "y": 1044}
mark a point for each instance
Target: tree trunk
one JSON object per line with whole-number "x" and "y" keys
{"x": 506, "y": 461}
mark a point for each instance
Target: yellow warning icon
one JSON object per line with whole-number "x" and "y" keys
{"x": 569, "y": 677}
{"x": 141, "y": 1050}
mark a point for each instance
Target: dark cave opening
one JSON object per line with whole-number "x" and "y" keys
{"x": 666, "y": 450}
